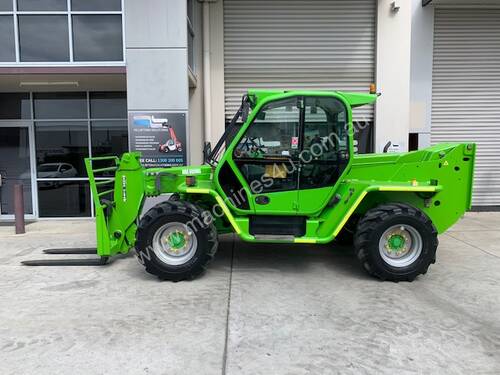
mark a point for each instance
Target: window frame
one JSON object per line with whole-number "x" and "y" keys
{"x": 342, "y": 165}
{"x": 29, "y": 25}
{"x": 296, "y": 157}
{"x": 13, "y": 35}
{"x": 29, "y": 122}
{"x": 88, "y": 119}
{"x": 303, "y": 123}
{"x": 15, "y": 13}
{"x": 273, "y": 157}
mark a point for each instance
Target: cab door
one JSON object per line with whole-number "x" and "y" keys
{"x": 267, "y": 157}
{"x": 325, "y": 152}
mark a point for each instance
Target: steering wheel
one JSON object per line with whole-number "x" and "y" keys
{"x": 255, "y": 149}
{"x": 250, "y": 148}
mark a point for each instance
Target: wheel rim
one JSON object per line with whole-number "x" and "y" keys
{"x": 174, "y": 243}
{"x": 400, "y": 245}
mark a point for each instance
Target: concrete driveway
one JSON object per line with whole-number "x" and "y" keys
{"x": 258, "y": 310}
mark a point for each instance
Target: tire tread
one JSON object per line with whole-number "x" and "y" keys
{"x": 375, "y": 217}
{"x": 166, "y": 208}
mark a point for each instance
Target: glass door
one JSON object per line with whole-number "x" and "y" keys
{"x": 16, "y": 167}
{"x": 267, "y": 156}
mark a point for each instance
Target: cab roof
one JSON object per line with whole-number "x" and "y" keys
{"x": 355, "y": 99}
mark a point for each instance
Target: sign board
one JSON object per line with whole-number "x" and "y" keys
{"x": 160, "y": 137}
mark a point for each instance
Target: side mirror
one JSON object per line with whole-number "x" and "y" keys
{"x": 386, "y": 147}
{"x": 207, "y": 150}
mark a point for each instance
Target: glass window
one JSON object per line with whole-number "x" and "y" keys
{"x": 27, "y": 5}
{"x": 8, "y": 48}
{"x": 5, "y": 5}
{"x": 14, "y": 106}
{"x": 109, "y": 137}
{"x": 97, "y": 38}
{"x": 108, "y": 105}
{"x": 44, "y": 38}
{"x": 64, "y": 198}
{"x": 69, "y": 105}
{"x": 96, "y": 5}
{"x": 325, "y": 131}
{"x": 15, "y": 167}
{"x": 274, "y": 132}
{"x": 269, "y": 145}
{"x": 326, "y": 149}
{"x": 61, "y": 144}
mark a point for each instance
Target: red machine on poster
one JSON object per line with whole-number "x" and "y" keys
{"x": 172, "y": 143}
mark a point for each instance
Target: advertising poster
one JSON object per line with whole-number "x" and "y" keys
{"x": 160, "y": 137}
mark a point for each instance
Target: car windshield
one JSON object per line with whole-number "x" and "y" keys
{"x": 48, "y": 168}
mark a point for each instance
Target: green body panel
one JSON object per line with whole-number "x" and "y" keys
{"x": 437, "y": 180}
{"x": 282, "y": 203}
{"x": 312, "y": 201}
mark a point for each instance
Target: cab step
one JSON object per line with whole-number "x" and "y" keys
{"x": 274, "y": 237}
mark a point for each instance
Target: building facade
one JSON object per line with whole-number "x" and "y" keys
{"x": 74, "y": 74}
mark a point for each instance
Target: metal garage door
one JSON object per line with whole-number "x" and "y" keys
{"x": 297, "y": 44}
{"x": 466, "y": 90}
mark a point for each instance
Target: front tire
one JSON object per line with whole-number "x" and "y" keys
{"x": 396, "y": 242}
{"x": 176, "y": 240}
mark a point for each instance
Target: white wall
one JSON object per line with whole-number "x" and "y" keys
{"x": 392, "y": 115}
{"x": 156, "y": 55}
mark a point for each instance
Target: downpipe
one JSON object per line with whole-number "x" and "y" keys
{"x": 207, "y": 97}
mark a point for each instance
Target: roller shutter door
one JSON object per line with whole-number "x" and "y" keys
{"x": 297, "y": 44}
{"x": 466, "y": 90}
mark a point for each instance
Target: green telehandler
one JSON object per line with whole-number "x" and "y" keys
{"x": 285, "y": 171}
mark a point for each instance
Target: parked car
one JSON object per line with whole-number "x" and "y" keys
{"x": 56, "y": 171}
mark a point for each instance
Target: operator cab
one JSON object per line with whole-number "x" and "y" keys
{"x": 300, "y": 142}
{"x": 287, "y": 158}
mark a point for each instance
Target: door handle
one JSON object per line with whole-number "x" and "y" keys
{"x": 262, "y": 199}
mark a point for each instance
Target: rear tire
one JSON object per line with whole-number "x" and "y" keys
{"x": 396, "y": 242}
{"x": 176, "y": 240}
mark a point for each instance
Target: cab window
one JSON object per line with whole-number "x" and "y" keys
{"x": 273, "y": 133}
{"x": 267, "y": 154}
{"x": 325, "y": 151}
